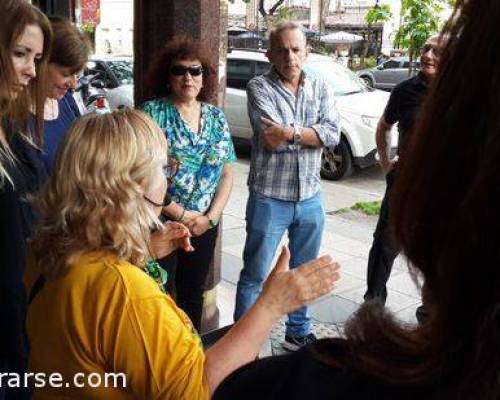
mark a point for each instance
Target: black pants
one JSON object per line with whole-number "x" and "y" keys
{"x": 383, "y": 252}
{"x": 187, "y": 273}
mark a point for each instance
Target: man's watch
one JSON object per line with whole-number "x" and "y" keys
{"x": 297, "y": 134}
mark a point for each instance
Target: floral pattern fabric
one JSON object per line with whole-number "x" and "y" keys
{"x": 201, "y": 156}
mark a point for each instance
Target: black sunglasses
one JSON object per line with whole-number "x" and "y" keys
{"x": 180, "y": 70}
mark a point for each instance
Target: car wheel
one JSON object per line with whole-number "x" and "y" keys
{"x": 336, "y": 162}
{"x": 368, "y": 81}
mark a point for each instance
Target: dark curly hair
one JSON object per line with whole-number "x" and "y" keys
{"x": 181, "y": 48}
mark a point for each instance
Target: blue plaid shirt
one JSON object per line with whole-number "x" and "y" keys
{"x": 291, "y": 171}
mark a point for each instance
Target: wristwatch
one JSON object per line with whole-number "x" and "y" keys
{"x": 212, "y": 222}
{"x": 297, "y": 134}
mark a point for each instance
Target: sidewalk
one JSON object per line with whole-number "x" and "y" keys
{"x": 347, "y": 238}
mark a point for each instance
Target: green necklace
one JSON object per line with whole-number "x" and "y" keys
{"x": 157, "y": 273}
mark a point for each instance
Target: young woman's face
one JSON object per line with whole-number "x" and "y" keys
{"x": 186, "y": 78}
{"x": 61, "y": 79}
{"x": 27, "y": 51}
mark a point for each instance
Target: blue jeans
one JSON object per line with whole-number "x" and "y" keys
{"x": 267, "y": 220}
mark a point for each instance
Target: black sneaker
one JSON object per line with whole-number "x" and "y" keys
{"x": 293, "y": 343}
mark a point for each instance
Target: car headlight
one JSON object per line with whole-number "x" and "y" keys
{"x": 370, "y": 122}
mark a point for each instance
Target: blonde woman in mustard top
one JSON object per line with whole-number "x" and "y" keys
{"x": 96, "y": 303}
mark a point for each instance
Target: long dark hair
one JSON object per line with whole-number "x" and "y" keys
{"x": 16, "y": 16}
{"x": 446, "y": 217}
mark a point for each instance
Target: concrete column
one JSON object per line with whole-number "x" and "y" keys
{"x": 155, "y": 23}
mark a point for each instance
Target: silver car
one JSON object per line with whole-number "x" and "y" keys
{"x": 388, "y": 74}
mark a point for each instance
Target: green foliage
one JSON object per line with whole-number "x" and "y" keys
{"x": 88, "y": 28}
{"x": 366, "y": 62}
{"x": 368, "y": 208}
{"x": 283, "y": 13}
{"x": 420, "y": 19}
{"x": 317, "y": 46}
{"x": 378, "y": 14}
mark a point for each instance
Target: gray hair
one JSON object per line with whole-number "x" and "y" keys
{"x": 284, "y": 26}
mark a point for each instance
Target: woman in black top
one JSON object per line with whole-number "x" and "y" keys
{"x": 25, "y": 37}
{"x": 446, "y": 217}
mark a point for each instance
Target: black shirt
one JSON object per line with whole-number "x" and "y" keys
{"x": 404, "y": 105}
{"x": 16, "y": 222}
{"x": 301, "y": 376}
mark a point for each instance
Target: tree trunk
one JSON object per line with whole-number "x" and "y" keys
{"x": 269, "y": 15}
{"x": 325, "y": 7}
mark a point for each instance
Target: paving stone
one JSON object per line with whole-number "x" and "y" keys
{"x": 231, "y": 267}
{"x": 355, "y": 266}
{"x": 353, "y": 247}
{"x": 231, "y": 222}
{"x": 226, "y": 296}
{"x": 396, "y": 301}
{"x": 332, "y": 310}
{"x": 404, "y": 283}
{"x": 231, "y": 237}
{"x": 347, "y": 282}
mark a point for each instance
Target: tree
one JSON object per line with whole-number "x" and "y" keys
{"x": 272, "y": 14}
{"x": 419, "y": 20}
{"x": 377, "y": 14}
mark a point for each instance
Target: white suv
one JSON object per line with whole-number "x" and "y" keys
{"x": 359, "y": 107}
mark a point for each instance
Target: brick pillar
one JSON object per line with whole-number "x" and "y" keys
{"x": 156, "y": 22}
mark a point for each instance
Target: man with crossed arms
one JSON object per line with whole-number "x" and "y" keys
{"x": 293, "y": 117}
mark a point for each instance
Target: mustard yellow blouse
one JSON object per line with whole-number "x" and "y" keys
{"x": 106, "y": 315}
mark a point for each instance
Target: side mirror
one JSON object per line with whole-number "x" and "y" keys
{"x": 98, "y": 84}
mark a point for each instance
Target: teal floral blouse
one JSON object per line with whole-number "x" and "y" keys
{"x": 201, "y": 156}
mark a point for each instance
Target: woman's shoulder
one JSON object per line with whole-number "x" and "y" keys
{"x": 109, "y": 271}
{"x": 213, "y": 110}
{"x": 157, "y": 104}
{"x": 315, "y": 371}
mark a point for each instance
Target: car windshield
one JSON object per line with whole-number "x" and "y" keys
{"x": 342, "y": 80}
{"x": 123, "y": 70}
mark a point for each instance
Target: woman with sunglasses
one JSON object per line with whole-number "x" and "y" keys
{"x": 25, "y": 38}
{"x": 200, "y": 144}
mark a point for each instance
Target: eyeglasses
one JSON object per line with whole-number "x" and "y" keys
{"x": 180, "y": 70}
{"x": 166, "y": 200}
{"x": 428, "y": 47}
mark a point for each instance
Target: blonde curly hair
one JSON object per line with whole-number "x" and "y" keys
{"x": 94, "y": 200}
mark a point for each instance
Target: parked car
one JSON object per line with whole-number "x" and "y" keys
{"x": 117, "y": 74}
{"x": 359, "y": 107}
{"x": 387, "y": 74}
